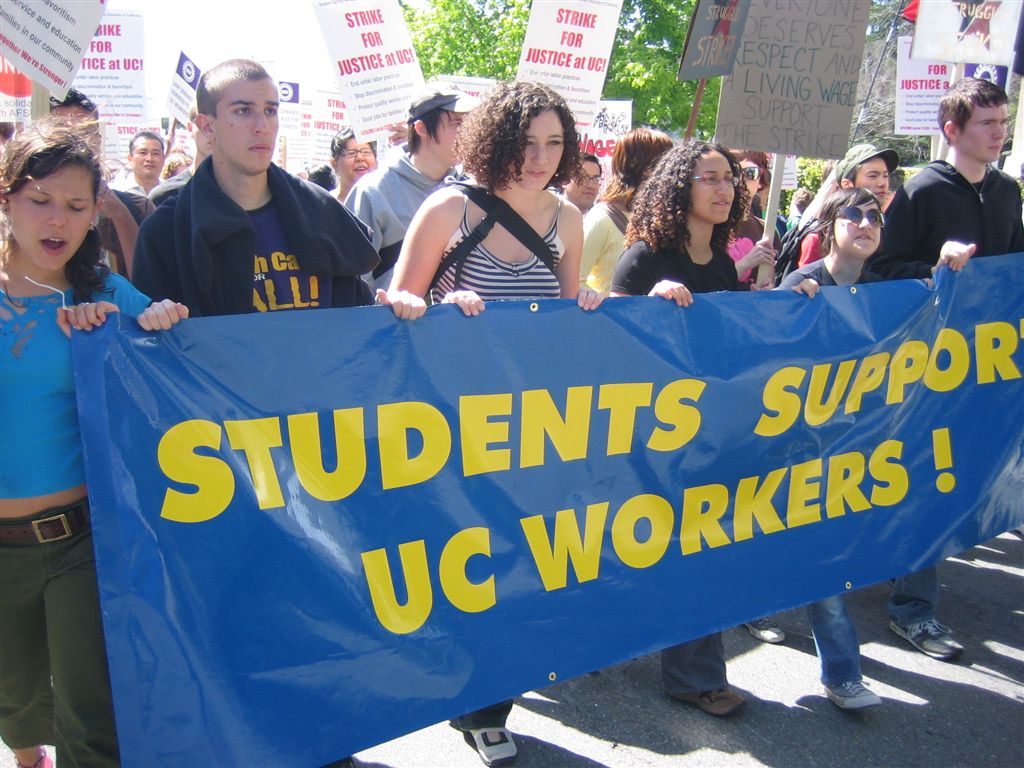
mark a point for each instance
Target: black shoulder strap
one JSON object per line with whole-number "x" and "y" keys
{"x": 511, "y": 221}
{"x": 495, "y": 210}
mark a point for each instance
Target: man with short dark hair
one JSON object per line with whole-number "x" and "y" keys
{"x": 582, "y": 191}
{"x": 960, "y": 207}
{"x": 242, "y": 235}
{"x": 146, "y": 153}
{"x": 387, "y": 199}
{"x": 947, "y": 213}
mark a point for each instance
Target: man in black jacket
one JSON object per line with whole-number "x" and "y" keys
{"x": 943, "y": 216}
{"x": 954, "y": 210}
{"x": 243, "y": 235}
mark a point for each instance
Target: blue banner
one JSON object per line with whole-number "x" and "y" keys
{"x": 317, "y": 531}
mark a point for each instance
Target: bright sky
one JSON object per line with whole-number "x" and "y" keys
{"x": 288, "y": 42}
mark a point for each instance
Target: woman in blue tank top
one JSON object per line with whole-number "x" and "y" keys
{"x": 54, "y": 687}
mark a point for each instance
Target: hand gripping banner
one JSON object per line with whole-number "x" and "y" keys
{"x": 317, "y": 531}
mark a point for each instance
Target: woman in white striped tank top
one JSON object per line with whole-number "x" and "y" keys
{"x": 517, "y": 143}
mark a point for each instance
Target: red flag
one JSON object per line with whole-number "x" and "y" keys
{"x": 910, "y": 12}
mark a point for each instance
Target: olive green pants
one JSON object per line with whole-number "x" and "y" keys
{"x": 50, "y": 629}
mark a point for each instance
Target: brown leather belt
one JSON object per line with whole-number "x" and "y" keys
{"x": 50, "y": 525}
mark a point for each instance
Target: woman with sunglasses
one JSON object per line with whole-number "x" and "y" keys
{"x": 749, "y": 247}
{"x": 684, "y": 216}
{"x": 850, "y": 226}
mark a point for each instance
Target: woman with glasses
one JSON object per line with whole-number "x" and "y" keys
{"x": 850, "y": 226}
{"x": 684, "y": 216}
{"x": 350, "y": 161}
{"x": 748, "y": 248}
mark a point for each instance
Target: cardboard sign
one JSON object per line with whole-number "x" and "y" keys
{"x": 376, "y": 66}
{"x": 112, "y": 72}
{"x": 567, "y": 47}
{"x": 183, "y": 88}
{"x": 795, "y": 81}
{"x": 979, "y": 31}
{"x": 47, "y": 40}
{"x": 712, "y": 39}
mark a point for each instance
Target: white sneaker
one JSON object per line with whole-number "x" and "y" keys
{"x": 852, "y": 695}
{"x": 494, "y": 745}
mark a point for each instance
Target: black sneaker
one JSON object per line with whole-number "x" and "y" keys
{"x": 930, "y": 637}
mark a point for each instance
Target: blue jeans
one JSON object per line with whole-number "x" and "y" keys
{"x": 693, "y": 667}
{"x": 835, "y": 639}
{"x": 914, "y": 597}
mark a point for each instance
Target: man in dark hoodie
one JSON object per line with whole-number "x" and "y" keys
{"x": 243, "y": 235}
{"x": 954, "y": 210}
{"x": 944, "y": 215}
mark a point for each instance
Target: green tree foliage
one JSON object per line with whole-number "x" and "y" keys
{"x": 484, "y": 38}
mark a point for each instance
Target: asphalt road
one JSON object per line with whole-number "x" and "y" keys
{"x": 934, "y": 713}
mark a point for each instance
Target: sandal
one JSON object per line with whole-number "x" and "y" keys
{"x": 494, "y": 745}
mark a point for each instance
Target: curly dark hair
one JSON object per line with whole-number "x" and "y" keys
{"x": 843, "y": 198}
{"x": 661, "y": 208}
{"x": 43, "y": 148}
{"x": 492, "y": 138}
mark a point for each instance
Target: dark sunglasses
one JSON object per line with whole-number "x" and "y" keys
{"x": 751, "y": 174}
{"x": 855, "y": 216}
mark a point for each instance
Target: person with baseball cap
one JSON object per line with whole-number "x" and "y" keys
{"x": 864, "y": 166}
{"x": 387, "y": 199}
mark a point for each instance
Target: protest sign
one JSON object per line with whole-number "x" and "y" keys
{"x": 712, "y": 39}
{"x": 567, "y": 47}
{"x": 15, "y": 94}
{"x": 182, "y": 95}
{"x": 969, "y": 31}
{"x": 612, "y": 121}
{"x": 376, "y": 67}
{"x": 794, "y": 83}
{"x": 46, "y": 41}
{"x": 293, "y": 544}
{"x": 479, "y": 87}
{"x": 112, "y": 72}
{"x": 920, "y": 86}
{"x": 295, "y": 148}
{"x": 994, "y": 73}
{"x": 290, "y": 107}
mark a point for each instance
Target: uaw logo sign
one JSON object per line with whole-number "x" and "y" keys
{"x": 288, "y": 92}
{"x": 188, "y": 70}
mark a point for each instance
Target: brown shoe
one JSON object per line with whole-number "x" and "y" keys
{"x": 720, "y": 702}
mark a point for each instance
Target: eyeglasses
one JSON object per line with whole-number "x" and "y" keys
{"x": 714, "y": 180}
{"x": 855, "y": 216}
{"x": 751, "y": 174}
{"x": 586, "y": 178}
{"x": 352, "y": 153}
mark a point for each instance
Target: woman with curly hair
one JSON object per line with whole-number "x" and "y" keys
{"x": 54, "y": 687}
{"x": 517, "y": 143}
{"x": 684, "y": 216}
{"x": 605, "y": 224}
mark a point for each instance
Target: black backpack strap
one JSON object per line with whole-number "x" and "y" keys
{"x": 462, "y": 249}
{"x": 495, "y": 210}
{"x": 512, "y": 221}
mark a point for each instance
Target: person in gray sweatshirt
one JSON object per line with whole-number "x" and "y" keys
{"x": 387, "y": 198}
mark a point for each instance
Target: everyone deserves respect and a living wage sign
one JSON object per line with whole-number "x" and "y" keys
{"x": 316, "y": 531}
